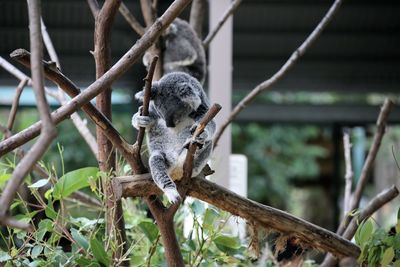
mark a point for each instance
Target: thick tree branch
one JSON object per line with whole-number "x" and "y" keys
{"x": 200, "y": 188}
{"x": 197, "y": 14}
{"x": 221, "y": 22}
{"x": 375, "y": 204}
{"x": 283, "y": 70}
{"x": 132, "y": 21}
{"x": 105, "y": 81}
{"x": 48, "y": 130}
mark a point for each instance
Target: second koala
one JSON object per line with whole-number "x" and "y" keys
{"x": 177, "y": 104}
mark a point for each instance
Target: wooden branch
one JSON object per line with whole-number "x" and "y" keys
{"x": 48, "y": 131}
{"x": 94, "y": 7}
{"x": 197, "y": 14}
{"x": 375, "y": 204}
{"x": 55, "y": 75}
{"x": 362, "y": 181}
{"x": 149, "y": 14}
{"x": 95, "y": 88}
{"x": 200, "y": 188}
{"x": 15, "y": 103}
{"x": 234, "y": 5}
{"x": 348, "y": 177}
{"x": 283, "y": 70}
{"x": 132, "y": 21}
{"x": 49, "y": 44}
{"x": 146, "y": 101}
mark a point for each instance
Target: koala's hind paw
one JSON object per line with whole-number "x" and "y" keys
{"x": 172, "y": 195}
{"x": 141, "y": 121}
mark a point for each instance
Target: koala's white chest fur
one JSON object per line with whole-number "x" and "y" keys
{"x": 176, "y": 171}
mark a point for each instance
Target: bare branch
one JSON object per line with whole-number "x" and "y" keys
{"x": 375, "y": 204}
{"x": 200, "y": 188}
{"x": 49, "y": 45}
{"x": 13, "y": 223}
{"x": 348, "y": 177}
{"x": 15, "y": 103}
{"x": 48, "y": 131}
{"x": 146, "y": 101}
{"x": 132, "y": 21}
{"x": 148, "y": 12}
{"x": 283, "y": 70}
{"x": 221, "y": 22}
{"x": 94, "y": 7}
{"x": 362, "y": 181}
{"x": 197, "y": 14}
{"x": 99, "y": 85}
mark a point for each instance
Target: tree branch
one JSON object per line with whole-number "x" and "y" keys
{"x": 283, "y": 70}
{"x": 221, "y": 22}
{"x": 132, "y": 21}
{"x": 14, "y": 106}
{"x": 107, "y": 79}
{"x": 200, "y": 188}
{"x": 362, "y": 181}
{"x": 197, "y": 14}
{"x": 94, "y": 7}
{"x": 48, "y": 131}
{"x": 375, "y": 204}
{"x": 348, "y": 177}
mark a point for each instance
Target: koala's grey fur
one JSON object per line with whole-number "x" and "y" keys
{"x": 182, "y": 51}
{"x": 177, "y": 105}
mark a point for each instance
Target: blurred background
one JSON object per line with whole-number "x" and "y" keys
{"x": 292, "y": 135}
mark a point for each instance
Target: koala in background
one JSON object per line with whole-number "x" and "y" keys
{"x": 177, "y": 104}
{"x": 182, "y": 51}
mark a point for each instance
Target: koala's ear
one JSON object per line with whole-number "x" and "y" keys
{"x": 189, "y": 95}
{"x": 154, "y": 88}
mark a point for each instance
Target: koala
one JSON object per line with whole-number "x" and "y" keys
{"x": 177, "y": 104}
{"x": 182, "y": 51}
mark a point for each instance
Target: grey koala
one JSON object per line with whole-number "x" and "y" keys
{"x": 182, "y": 51}
{"x": 177, "y": 104}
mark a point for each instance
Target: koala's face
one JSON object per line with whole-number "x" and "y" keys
{"x": 172, "y": 109}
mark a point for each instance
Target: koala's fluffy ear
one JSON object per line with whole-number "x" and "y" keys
{"x": 189, "y": 95}
{"x": 140, "y": 95}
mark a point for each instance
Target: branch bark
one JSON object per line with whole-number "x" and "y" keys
{"x": 105, "y": 81}
{"x": 362, "y": 181}
{"x": 200, "y": 188}
{"x": 48, "y": 131}
{"x": 197, "y": 14}
{"x": 132, "y": 21}
{"x": 375, "y": 204}
{"x": 282, "y": 71}
{"x": 114, "y": 219}
{"x": 221, "y": 22}
{"x": 348, "y": 177}
{"x": 14, "y": 106}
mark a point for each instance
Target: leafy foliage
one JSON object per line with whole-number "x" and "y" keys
{"x": 379, "y": 247}
{"x": 276, "y": 154}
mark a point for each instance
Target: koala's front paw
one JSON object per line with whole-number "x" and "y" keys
{"x": 141, "y": 121}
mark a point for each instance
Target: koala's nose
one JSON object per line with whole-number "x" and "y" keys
{"x": 170, "y": 123}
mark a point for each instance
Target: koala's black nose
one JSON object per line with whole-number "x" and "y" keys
{"x": 170, "y": 123}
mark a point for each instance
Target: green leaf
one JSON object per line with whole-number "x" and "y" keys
{"x": 4, "y": 178}
{"x": 149, "y": 229}
{"x": 387, "y": 257}
{"x": 227, "y": 244}
{"x": 49, "y": 210}
{"x": 98, "y": 251}
{"x": 4, "y": 256}
{"x": 209, "y": 218}
{"x": 40, "y": 183}
{"x": 80, "y": 239}
{"x": 36, "y": 250}
{"x": 364, "y": 232}
{"x": 73, "y": 181}
{"x": 82, "y": 261}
